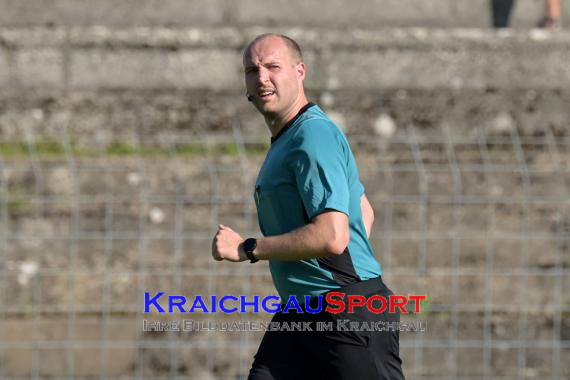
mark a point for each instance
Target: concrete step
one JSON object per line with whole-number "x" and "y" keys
{"x": 272, "y": 13}
{"x": 143, "y": 83}
{"x": 210, "y": 59}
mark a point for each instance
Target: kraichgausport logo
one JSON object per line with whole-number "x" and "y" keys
{"x": 272, "y": 304}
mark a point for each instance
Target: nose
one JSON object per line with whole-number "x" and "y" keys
{"x": 262, "y": 75}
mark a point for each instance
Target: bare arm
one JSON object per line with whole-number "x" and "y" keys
{"x": 367, "y": 214}
{"x": 327, "y": 235}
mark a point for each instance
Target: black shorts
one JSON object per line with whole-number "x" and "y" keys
{"x": 337, "y": 354}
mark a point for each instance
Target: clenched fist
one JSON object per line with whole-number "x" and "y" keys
{"x": 227, "y": 245}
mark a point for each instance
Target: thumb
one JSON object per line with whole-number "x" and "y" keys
{"x": 228, "y": 228}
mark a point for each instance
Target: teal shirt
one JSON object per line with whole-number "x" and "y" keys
{"x": 310, "y": 168}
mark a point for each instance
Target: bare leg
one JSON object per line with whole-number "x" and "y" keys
{"x": 553, "y": 9}
{"x": 553, "y": 13}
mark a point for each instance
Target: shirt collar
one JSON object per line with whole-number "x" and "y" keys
{"x": 292, "y": 121}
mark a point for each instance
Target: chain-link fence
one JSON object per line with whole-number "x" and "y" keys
{"x": 479, "y": 221}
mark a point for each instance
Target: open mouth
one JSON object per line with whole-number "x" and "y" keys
{"x": 265, "y": 94}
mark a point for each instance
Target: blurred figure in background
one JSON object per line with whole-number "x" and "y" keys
{"x": 501, "y": 11}
{"x": 552, "y": 19}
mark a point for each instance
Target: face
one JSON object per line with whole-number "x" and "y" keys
{"x": 273, "y": 76}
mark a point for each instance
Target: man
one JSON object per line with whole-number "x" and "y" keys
{"x": 316, "y": 221}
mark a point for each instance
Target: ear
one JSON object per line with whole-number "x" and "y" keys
{"x": 301, "y": 70}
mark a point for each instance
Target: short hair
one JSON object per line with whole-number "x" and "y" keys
{"x": 291, "y": 44}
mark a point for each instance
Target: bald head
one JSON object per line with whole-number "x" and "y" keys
{"x": 291, "y": 44}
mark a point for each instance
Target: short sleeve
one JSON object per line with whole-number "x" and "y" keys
{"x": 361, "y": 189}
{"x": 318, "y": 159}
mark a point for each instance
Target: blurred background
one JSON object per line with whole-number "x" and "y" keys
{"x": 126, "y": 137}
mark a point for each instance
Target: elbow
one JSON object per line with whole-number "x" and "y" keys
{"x": 333, "y": 231}
{"x": 337, "y": 245}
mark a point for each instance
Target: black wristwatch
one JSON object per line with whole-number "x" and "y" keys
{"x": 249, "y": 246}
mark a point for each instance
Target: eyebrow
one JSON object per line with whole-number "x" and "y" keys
{"x": 274, "y": 62}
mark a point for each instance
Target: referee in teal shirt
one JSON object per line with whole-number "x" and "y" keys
{"x": 315, "y": 220}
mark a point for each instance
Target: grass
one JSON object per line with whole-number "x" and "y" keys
{"x": 43, "y": 148}
{"x": 18, "y": 205}
{"x": 15, "y": 204}
{"x": 51, "y": 148}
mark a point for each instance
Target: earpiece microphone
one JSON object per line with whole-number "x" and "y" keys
{"x": 250, "y": 98}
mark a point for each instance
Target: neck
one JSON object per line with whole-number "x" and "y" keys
{"x": 277, "y": 122}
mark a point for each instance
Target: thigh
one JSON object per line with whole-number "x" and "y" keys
{"x": 384, "y": 347}
{"x": 350, "y": 355}
{"x": 343, "y": 354}
{"x": 278, "y": 356}
{"x": 344, "y": 362}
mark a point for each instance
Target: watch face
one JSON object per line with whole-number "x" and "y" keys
{"x": 249, "y": 245}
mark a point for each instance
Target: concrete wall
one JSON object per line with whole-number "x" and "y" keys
{"x": 98, "y": 58}
{"x": 183, "y": 13}
{"x": 146, "y": 82}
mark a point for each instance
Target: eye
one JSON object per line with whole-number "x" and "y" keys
{"x": 251, "y": 70}
{"x": 274, "y": 67}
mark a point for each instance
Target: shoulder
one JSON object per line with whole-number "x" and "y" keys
{"x": 315, "y": 126}
{"x": 317, "y": 138}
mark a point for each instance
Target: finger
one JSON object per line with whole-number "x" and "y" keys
{"x": 216, "y": 253}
